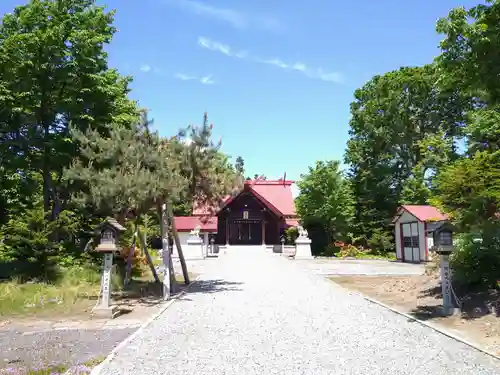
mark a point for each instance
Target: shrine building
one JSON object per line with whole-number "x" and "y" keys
{"x": 257, "y": 215}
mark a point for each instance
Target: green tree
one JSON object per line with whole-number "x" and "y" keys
{"x": 209, "y": 173}
{"x": 326, "y": 198}
{"x": 127, "y": 172}
{"x": 240, "y": 165}
{"x": 468, "y": 188}
{"x": 403, "y": 128}
{"x": 54, "y": 73}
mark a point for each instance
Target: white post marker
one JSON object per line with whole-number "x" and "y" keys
{"x": 446, "y": 283}
{"x": 106, "y": 281}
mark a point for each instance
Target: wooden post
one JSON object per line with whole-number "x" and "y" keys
{"x": 165, "y": 251}
{"x": 148, "y": 256}
{"x": 170, "y": 212}
{"x": 130, "y": 259}
{"x": 227, "y": 230}
{"x": 263, "y": 232}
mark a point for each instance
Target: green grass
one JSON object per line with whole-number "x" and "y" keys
{"x": 60, "y": 369}
{"x": 383, "y": 256}
{"x": 74, "y": 293}
{"x": 78, "y": 286}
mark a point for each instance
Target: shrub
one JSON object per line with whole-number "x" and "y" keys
{"x": 350, "y": 251}
{"x": 475, "y": 263}
{"x": 33, "y": 247}
{"x": 291, "y": 235}
{"x": 381, "y": 241}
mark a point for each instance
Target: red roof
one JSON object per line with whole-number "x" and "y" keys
{"x": 275, "y": 194}
{"x": 423, "y": 212}
{"x": 188, "y": 223}
{"x": 292, "y": 222}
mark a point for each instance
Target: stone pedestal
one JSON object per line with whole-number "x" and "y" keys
{"x": 104, "y": 308}
{"x": 303, "y": 248}
{"x": 109, "y": 312}
{"x": 194, "y": 248}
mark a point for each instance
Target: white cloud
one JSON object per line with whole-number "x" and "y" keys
{"x": 145, "y": 68}
{"x": 232, "y": 17}
{"x": 205, "y": 80}
{"x": 220, "y": 47}
{"x": 184, "y": 77}
{"x": 314, "y": 73}
{"x": 275, "y": 62}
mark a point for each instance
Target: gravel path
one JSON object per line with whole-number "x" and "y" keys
{"x": 69, "y": 347}
{"x": 257, "y": 313}
{"x": 369, "y": 267}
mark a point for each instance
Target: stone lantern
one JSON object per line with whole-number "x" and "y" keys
{"x": 443, "y": 245}
{"x": 110, "y": 231}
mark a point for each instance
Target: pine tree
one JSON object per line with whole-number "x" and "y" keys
{"x": 240, "y": 165}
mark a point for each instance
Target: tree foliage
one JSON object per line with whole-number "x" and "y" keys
{"x": 430, "y": 135}
{"x": 326, "y": 198}
{"x": 74, "y": 148}
{"x": 54, "y": 73}
{"x": 404, "y": 127}
{"x": 239, "y": 165}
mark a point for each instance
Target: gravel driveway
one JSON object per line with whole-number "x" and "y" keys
{"x": 258, "y": 313}
{"x": 368, "y": 267}
{"x": 20, "y": 349}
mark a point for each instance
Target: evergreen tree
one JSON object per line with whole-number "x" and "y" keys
{"x": 240, "y": 165}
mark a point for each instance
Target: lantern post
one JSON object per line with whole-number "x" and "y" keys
{"x": 110, "y": 230}
{"x": 443, "y": 245}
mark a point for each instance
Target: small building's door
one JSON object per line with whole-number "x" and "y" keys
{"x": 411, "y": 246}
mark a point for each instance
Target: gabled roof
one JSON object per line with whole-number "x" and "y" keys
{"x": 421, "y": 212}
{"x": 275, "y": 194}
{"x": 188, "y": 223}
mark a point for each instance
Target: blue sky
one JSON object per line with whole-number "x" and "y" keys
{"x": 276, "y": 77}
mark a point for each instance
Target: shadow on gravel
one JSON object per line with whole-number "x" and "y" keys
{"x": 214, "y": 286}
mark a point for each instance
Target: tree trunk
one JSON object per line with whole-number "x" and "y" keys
{"x": 178, "y": 244}
{"x": 130, "y": 259}
{"x": 166, "y": 256}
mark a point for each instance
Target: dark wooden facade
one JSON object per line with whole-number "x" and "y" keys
{"x": 247, "y": 221}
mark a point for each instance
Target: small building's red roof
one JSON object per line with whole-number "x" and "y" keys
{"x": 188, "y": 223}
{"x": 276, "y": 194}
{"x": 422, "y": 212}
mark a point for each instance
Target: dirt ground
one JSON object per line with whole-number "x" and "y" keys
{"x": 420, "y": 296}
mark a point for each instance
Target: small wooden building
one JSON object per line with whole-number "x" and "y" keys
{"x": 414, "y": 227}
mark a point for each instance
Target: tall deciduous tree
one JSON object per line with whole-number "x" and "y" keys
{"x": 468, "y": 189}
{"x": 403, "y": 127}
{"x": 53, "y": 72}
{"x": 326, "y": 198}
{"x": 469, "y": 61}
